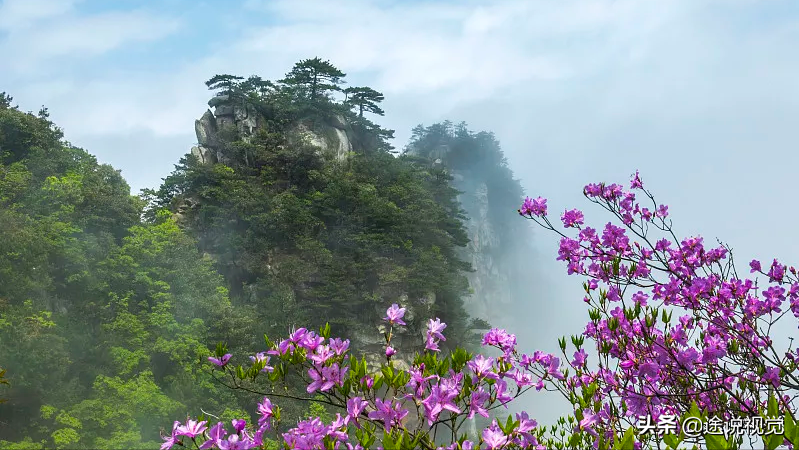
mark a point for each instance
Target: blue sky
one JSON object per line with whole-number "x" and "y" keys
{"x": 700, "y": 95}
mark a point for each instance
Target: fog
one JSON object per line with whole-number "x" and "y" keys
{"x": 700, "y": 96}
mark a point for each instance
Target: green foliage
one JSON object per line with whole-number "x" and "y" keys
{"x": 301, "y": 239}
{"x": 478, "y": 156}
{"x": 316, "y": 409}
{"x": 314, "y": 79}
{"x": 5, "y": 100}
{"x": 109, "y": 302}
{"x": 305, "y": 239}
{"x": 474, "y": 165}
{"x": 364, "y": 99}
{"x": 627, "y": 441}
{"x": 225, "y": 84}
{"x": 102, "y": 318}
{"x": 25, "y": 444}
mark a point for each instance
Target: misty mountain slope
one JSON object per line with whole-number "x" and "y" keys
{"x": 310, "y": 218}
{"x": 499, "y": 250}
{"x": 290, "y": 211}
{"x": 103, "y": 319}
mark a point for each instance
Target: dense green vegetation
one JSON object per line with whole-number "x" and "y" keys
{"x": 478, "y": 159}
{"x": 308, "y": 240}
{"x": 109, "y": 303}
{"x": 104, "y": 318}
{"x": 501, "y": 244}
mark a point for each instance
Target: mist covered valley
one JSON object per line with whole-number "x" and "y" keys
{"x": 292, "y": 210}
{"x": 179, "y": 216}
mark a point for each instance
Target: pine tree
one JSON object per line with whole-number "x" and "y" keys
{"x": 5, "y": 100}
{"x": 225, "y": 84}
{"x": 365, "y": 99}
{"x": 257, "y": 85}
{"x": 315, "y": 78}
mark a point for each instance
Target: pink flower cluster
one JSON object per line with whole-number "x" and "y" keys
{"x": 717, "y": 354}
{"x": 673, "y": 329}
{"x": 432, "y": 391}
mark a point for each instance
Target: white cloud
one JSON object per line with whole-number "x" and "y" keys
{"x": 41, "y": 31}
{"x": 100, "y": 33}
{"x": 459, "y": 52}
{"x": 576, "y": 90}
{"x": 428, "y": 58}
{"x": 19, "y": 14}
{"x": 455, "y": 53}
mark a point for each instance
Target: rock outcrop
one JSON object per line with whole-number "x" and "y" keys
{"x": 333, "y": 137}
{"x": 205, "y": 128}
{"x": 492, "y": 296}
{"x": 496, "y": 261}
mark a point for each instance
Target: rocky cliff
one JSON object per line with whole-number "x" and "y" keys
{"x": 487, "y": 196}
{"x": 336, "y": 140}
{"x": 333, "y": 137}
{"x": 491, "y": 283}
{"x": 498, "y": 239}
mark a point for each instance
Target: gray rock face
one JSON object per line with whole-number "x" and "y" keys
{"x": 336, "y": 144}
{"x": 224, "y": 110}
{"x": 492, "y": 296}
{"x": 205, "y": 128}
{"x": 493, "y": 290}
{"x": 370, "y": 340}
{"x": 334, "y": 139}
{"x": 339, "y": 122}
{"x": 344, "y": 145}
{"x": 246, "y": 122}
{"x": 204, "y": 154}
{"x": 312, "y": 138}
{"x": 218, "y": 100}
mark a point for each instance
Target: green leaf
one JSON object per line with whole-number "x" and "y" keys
{"x": 693, "y": 411}
{"x": 589, "y": 391}
{"x": 773, "y": 407}
{"x": 671, "y": 440}
{"x": 574, "y": 440}
{"x": 388, "y": 442}
{"x": 388, "y": 373}
{"x": 508, "y": 425}
{"x": 325, "y": 331}
{"x": 627, "y": 441}
{"x": 378, "y": 382}
{"x": 791, "y": 429}
{"x": 772, "y": 441}
{"x": 715, "y": 441}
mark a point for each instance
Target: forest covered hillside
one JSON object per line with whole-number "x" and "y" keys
{"x": 499, "y": 249}
{"x": 292, "y": 210}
